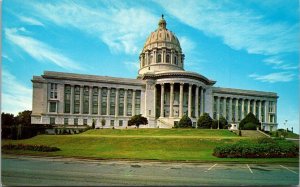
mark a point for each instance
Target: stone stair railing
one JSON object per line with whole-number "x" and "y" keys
{"x": 165, "y": 124}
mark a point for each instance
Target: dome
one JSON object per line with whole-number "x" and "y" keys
{"x": 161, "y": 51}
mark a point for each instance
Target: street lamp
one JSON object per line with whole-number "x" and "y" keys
{"x": 218, "y": 120}
{"x": 285, "y": 124}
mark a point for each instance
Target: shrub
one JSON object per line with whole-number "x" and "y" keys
{"x": 249, "y": 126}
{"x": 205, "y": 121}
{"x": 250, "y": 118}
{"x": 42, "y": 148}
{"x": 185, "y": 122}
{"x": 261, "y": 149}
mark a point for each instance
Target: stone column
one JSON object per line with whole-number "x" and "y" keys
{"x": 162, "y": 93}
{"x": 133, "y": 102}
{"x": 146, "y": 58}
{"x": 202, "y": 101}
{"x": 190, "y": 101}
{"x": 155, "y": 95}
{"x": 224, "y": 107}
{"x": 117, "y": 102}
{"x": 266, "y": 111}
{"x": 259, "y": 111}
{"x": 218, "y": 106}
{"x": 243, "y": 110}
{"x": 171, "y": 98}
{"x": 125, "y": 102}
{"x": 181, "y": 100}
{"x": 154, "y": 56}
{"x": 249, "y": 103}
{"x": 164, "y": 56}
{"x": 196, "y": 102}
{"x": 230, "y": 109}
{"x": 72, "y": 100}
{"x": 172, "y": 56}
{"x": 236, "y": 110}
{"x": 81, "y": 100}
{"x": 254, "y": 108}
{"x": 99, "y": 100}
{"x": 108, "y": 102}
{"x": 90, "y": 100}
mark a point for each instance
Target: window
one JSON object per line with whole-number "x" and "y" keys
{"x": 175, "y": 60}
{"x": 53, "y": 91}
{"x": 66, "y": 121}
{"x": 149, "y": 112}
{"x": 76, "y": 99}
{"x": 86, "y": 100}
{"x": 121, "y": 102}
{"x": 84, "y": 121}
{"x": 112, "y": 101}
{"x": 103, "y": 101}
{"x": 75, "y": 121}
{"x": 138, "y": 102}
{"x": 120, "y": 123}
{"x": 129, "y": 103}
{"x": 159, "y": 58}
{"x": 52, "y": 107}
{"x": 52, "y": 121}
{"x": 95, "y": 101}
{"x": 112, "y": 123}
{"x": 168, "y": 58}
{"x": 67, "y": 98}
{"x": 151, "y": 59}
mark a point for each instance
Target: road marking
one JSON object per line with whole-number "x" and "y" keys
{"x": 288, "y": 169}
{"x": 211, "y": 167}
{"x": 249, "y": 168}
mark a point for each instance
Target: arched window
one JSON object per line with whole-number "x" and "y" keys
{"x": 168, "y": 58}
{"x": 151, "y": 58}
{"x": 159, "y": 58}
{"x": 175, "y": 60}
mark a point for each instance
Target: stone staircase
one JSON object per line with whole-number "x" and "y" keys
{"x": 163, "y": 124}
{"x": 253, "y": 134}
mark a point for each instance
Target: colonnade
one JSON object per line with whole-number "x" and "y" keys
{"x": 198, "y": 101}
{"x": 99, "y": 96}
{"x": 236, "y": 110}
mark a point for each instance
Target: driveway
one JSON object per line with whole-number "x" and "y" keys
{"x": 76, "y": 172}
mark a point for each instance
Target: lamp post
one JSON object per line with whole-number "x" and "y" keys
{"x": 285, "y": 124}
{"x": 218, "y": 120}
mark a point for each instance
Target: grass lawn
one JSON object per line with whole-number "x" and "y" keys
{"x": 152, "y": 144}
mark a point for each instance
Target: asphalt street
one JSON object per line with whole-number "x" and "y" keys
{"x": 76, "y": 172}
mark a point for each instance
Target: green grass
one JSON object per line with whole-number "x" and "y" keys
{"x": 152, "y": 144}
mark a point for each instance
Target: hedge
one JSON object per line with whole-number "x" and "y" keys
{"x": 42, "y": 148}
{"x": 261, "y": 148}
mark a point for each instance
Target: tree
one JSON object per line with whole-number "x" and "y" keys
{"x": 24, "y": 118}
{"x": 137, "y": 120}
{"x": 7, "y": 119}
{"x": 250, "y": 118}
{"x": 205, "y": 121}
{"x": 185, "y": 122}
{"x": 223, "y": 123}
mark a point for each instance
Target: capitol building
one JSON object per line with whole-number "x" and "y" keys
{"x": 162, "y": 92}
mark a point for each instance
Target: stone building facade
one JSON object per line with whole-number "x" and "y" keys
{"x": 163, "y": 92}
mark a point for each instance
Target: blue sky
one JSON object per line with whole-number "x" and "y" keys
{"x": 240, "y": 44}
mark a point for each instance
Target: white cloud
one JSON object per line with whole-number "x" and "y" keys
{"x": 121, "y": 28}
{"x": 274, "y": 77}
{"x": 7, "y": 57}
{"x": 240, "y": 28}
{"x": 30, "y": 21}
{"x": 15, "y": 96}
{"x": 278, "y": 63}
{"x": 39, "y": 50}
{"x": 132, "y": 66}
{"x": 187, "y": 45}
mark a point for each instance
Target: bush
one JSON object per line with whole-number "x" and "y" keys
{"x": 250, "y": 118}
{"x": 205, "y": 121}
{"x": 42, "y": 148}
{"x": 249, "y": 126}
{"x": 185, "y": 122}
{"x": 260, "y": 149}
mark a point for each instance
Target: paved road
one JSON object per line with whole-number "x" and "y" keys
{"x": 71, "y": 172}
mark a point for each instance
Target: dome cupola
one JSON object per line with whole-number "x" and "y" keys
{"x": 162, "y": 51}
